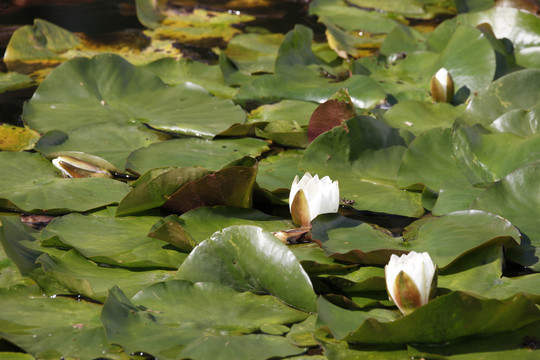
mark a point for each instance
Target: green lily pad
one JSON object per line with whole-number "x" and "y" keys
{"x": 277, "y": 172}
{"x": 121, "y": 242}
{"x": 366, "y": 169}
{"x": 517, "y": 344}
{"x": 446, "y": 238}
{"x": 186, "y": 152}
{"x": 164, "y": 318}
{"x": 514, "y": 198}
{"x": 231, "y": 186}
{"x": 36, "y": 49}
{"x": 199, "y": 224}
{"x": 84, "y": 277}
{"x": 299, "y": 75}
{"x": 57, "y": 325}
{"x": 107, "y": 88}
{"x": 113, "y": 142}
{"x": 464, "y": 156}
{"x": 38, "y": 42}
{"x": 174, "y": 72}
{"x": 14, "y": 81}
{"x": 248, "y": 347}
{"x": 254, "y": 53}
{"x": 521, "y": 122}
{"x": 504, "y": 95}
{"x": 30, "y": 183}
{"x": 238, "y": 252}
{"x": 521, "y": 28}
{"x": 487, "y": 280}
{"x": 419, "y": 116}
{"x": 448, "y": 317}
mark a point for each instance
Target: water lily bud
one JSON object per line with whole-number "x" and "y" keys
{"x": 75, "y": 168}
{"x": 312, "y": 196}
{"x": 442, "y": 86}
{"x": 411, "y": 280}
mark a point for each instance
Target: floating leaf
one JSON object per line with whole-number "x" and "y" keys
{"x": 363, "y": 155}
{"x": 186, "y": 152}
{"x": 238, "y": 252}
{"x": 120, "y": 242}
{"x": 446, "y": 238}
{"x": 107, "y": 88}
{"x": 168, "y": 316}
{"x": 448, "y": 317}
{"x": 30, "y": 183}
{"x": 14, "y": 138}
{"x": 52, "y": 325}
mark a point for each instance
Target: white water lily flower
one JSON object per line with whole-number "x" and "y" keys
{"x": 442, "y": 86}
{"x": 411, "y": 280}
{"x": 312, "y": 196}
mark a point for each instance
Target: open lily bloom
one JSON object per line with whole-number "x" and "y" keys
{"x": 311, "y": 196}
{"x": 411, "y": 280}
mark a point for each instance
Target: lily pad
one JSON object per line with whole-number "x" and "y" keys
{"x": 504, "y": 95}
{"x": 448, "y": 317}
{"x": 238, "y": 252}
{"x": 446, "y": 238}
{"x": 164, "y": 318}
{"x": 107, "y": 88}
{"x": 366, "y": 169}
{"x": 514, "y": 198}
{"x": 15, "y": 138}
{"x": 53, "y": 325}
{"x": 464, "y": 156}
{"x": 14, "y": 81}
{"x": 179, "y": 71}
{"x": 113, "y": 142}
{"x": 277, "y": 172}
{"x": 30, "y": 183}
{"x": 254, "y": 53}
{"x": 299, "y": 75}
{"x": 186, "y": 152}
{"x": 199, "y": 224}
{"x": 121, "y": 242}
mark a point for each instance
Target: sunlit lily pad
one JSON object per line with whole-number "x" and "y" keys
{"x": 113, "y": 142}
{"x": 92, "y": 236}
{"x": 186, "y": 152}
{"x": 465, "y": 156}
{"x": 107, "y": 88}
{"x": 446, "y": 238}
{"x": 504, "y": 95}
{"x": 366, "y": 169}
{"x": 238, "y": 252}
{"x": 174, "y": 72}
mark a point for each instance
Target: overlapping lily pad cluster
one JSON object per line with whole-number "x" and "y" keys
{"x": 172, "y": 255}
